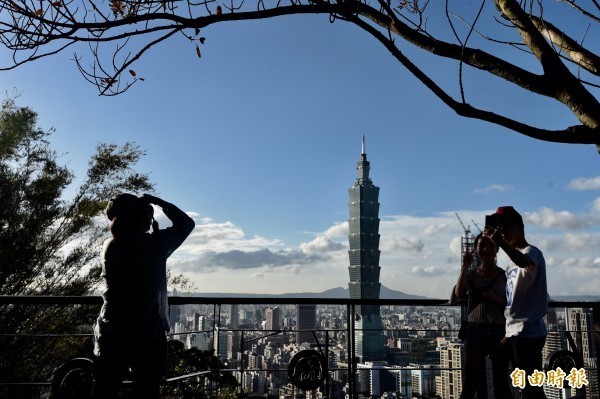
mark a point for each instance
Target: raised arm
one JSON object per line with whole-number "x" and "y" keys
{"x": 460, "y": 289}
{"x": 181, "y": 221}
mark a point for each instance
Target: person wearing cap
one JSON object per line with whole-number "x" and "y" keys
{"x": 130, "y": 331}
{"x": 526, "y": 295}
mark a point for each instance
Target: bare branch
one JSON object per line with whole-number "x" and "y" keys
{"x": 30, "y": 30}
{"x": 584, "y": 11}
{"x": 573, "y": 134}
{"x": 580, "y": 55}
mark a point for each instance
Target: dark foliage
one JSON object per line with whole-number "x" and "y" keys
{"x": 50, "y": 242}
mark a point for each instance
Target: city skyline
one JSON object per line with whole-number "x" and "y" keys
{"x": 419, "y": 339}
{"x": 237, "y": 137}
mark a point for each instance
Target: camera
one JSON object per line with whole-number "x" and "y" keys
{"x": 494, "y": 221}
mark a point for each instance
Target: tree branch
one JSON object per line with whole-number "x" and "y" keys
{"x": 31, "y": 33}
{"x": 579, "y": 134}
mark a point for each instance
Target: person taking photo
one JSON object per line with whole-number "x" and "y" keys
{"x": 526, "y": 294}
{"x": 130, "y": 331}
{"x": 485, "y": 287}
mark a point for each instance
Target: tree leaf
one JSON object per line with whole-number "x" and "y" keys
{"x": 39, "y": 12}
{"x": 219, "y": 10}
{"x": 202, "y": 39}
{"x": 198, "y": 51}
{"x": 132, "y": 72}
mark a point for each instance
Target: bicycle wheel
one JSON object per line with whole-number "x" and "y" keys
{"x": 74, "y": 379}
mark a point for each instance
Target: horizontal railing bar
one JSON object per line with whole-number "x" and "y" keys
{"x": 196, "y": 300}
{"x": 45, "y": 335}
{"x": 182, "y": 377}
{"x": 25, "y": 383}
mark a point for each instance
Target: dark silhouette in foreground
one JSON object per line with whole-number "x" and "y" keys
{"x": 131, "y": 329}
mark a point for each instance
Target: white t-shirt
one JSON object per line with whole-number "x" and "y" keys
{"x": 527, "y": 297}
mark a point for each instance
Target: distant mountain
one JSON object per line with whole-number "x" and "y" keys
{"x": 341, "y": 292}
{"x": 338, "y": 292}
{"x": 575, "y": 298}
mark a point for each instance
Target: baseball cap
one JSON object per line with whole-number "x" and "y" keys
{"x": 510, "y": 215}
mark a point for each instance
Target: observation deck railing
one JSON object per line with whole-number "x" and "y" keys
{"x": 342, "y": 336}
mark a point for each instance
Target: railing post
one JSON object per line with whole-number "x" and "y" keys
{"x": 351, "y": 351}
{"x": 215, "y": 337}
{"x": 242, "y": 364}
{"x": 327, "y": 360}
{"x": 596, "y": 332}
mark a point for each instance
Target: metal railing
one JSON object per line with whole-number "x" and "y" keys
{"x": 332, "y": 339}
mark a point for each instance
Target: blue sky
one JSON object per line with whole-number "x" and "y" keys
{"x": 259, "y": 140}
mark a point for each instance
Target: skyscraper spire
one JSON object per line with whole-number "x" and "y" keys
{"x": 363, "y": 166}
{"x": 363, "y": 145}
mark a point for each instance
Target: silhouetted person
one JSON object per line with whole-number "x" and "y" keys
{"x": 485, "y": 287}
{"x": 131, "y": 329}
{"x": 526, "y": 294}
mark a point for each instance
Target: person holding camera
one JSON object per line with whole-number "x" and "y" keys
{"x": 485, "y": 288}
{"x": 130, "y": 331}
{"x": 526, "y": 294}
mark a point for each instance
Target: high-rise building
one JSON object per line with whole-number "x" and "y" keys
{"x": 174, "y": 312}
{"x": 374, "y": 378}
{"x": 451, "y": 363}
{"x": 199, "y": 322}
{"x": 306, "y": 321}
{"x": 364, "y": 267}
{"x": 555, "y": 341}
{"x": 198, "y": 340}
{"x": 223, "y": 343}
{"x": 423, "y": 380}
{"x": 234, "y": 316}
{"x": 580, "y": 320}
{"x": 273, "y": 317}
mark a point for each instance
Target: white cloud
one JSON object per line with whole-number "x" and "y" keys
{"x": 410, "y": 244}
{"x": 209, "y": 235}
{"x": 321, "y": 245}
{"x": 570, "y": 243}
{"x": 419, "y": 255}
{"x": 596, "y": 206}
{"x": 337, "y": 230}
{"x": 548, "y": 218}
{"x": 429, "y": 271}
{"x": 494, "y": 188}
{"x": 455, "y": 246}
{"x": 436, "y": 228}
{"x": 585, "y": 183}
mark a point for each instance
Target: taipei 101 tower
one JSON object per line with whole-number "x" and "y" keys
{"x": 364, "y": 267}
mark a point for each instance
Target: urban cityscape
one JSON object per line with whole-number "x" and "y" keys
{"x": 397, "y": 351}
{"x": 421, "y": 356}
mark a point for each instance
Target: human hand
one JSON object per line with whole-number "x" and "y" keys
{"x": 148, "y": 198}
{"x": 151, "y": 199}
{"x": 494, "y": 233}
{"x": 503, "y": 344}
